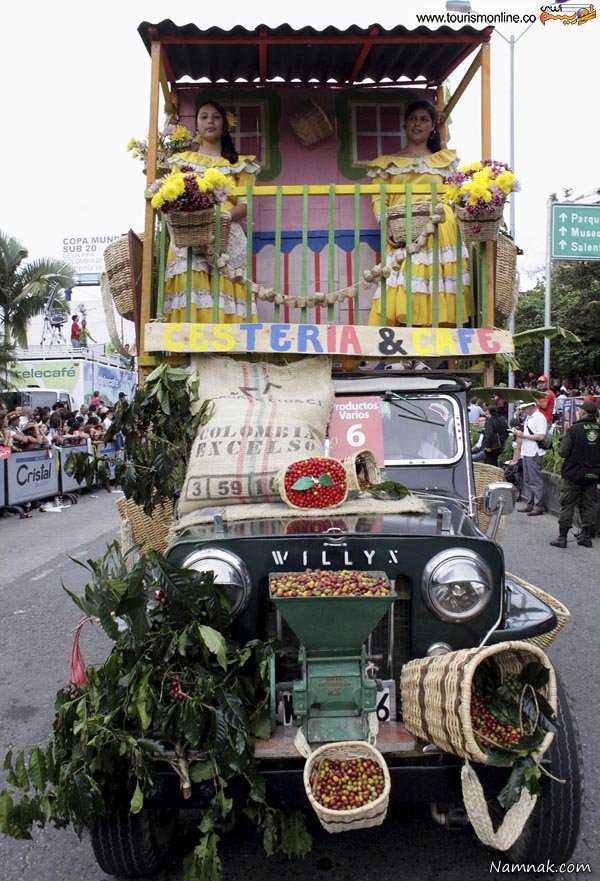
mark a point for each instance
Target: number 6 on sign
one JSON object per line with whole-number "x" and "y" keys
{"x": 355, "y": 435}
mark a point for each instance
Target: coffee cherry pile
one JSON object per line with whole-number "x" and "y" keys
{"x": 494, "y": 731}
{"x": 317, "y": 583}
{"x": 325, "y": 481}
{"x": 346, "y": 784}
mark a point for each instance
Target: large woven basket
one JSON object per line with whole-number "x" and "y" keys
{"x": 484, "y": 475}
{"x": 151, "y": 533}
{"x": 311, "y": 125}
{"x": 560, "y": 610}
{"x": 198, "y": 229}
{"x": 118, "y": 263}
{"x": 396, "y": 222}
{"x": 481, "y": 227}
{"x": 506, "y": 266}
{"x": 361, "y": 468}
{"x": 436, "y": 694}
{"x": 365, "y": 817}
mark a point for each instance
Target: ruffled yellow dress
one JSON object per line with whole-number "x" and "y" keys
{"x": 422, "y": 170}
{"x": 232, "y": 300}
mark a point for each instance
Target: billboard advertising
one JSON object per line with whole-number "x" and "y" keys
{"x": 54, "y": 374}
{"x": 85, "y": 253}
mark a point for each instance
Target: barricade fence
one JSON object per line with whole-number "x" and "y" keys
{"x": 34, "y": 475}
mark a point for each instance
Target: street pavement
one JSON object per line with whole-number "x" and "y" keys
{"x": 36, "y": 624}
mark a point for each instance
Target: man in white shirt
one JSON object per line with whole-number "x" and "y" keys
{"x": 475, "y": 412}
{"x": 532, "y": 454}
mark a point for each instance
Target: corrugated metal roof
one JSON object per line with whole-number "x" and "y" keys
{"x": 306, "y": 53}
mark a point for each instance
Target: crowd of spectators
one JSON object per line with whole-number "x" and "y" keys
{"x": 26, "y": 428}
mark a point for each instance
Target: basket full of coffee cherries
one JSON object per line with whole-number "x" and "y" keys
{"x": 347, "y": 785}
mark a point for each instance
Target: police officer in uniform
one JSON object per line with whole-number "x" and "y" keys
{"x": 580, "y": 448}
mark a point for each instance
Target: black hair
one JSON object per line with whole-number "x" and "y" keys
{"x": 228, "y": 150}
{"x": 434, "y": 142}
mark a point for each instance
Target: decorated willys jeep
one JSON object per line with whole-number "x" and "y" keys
{"x": 402, "y": 647}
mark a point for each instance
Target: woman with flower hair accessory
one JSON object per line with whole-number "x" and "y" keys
{"x": 422, "y": 161}
{"x": 215, "y": 150}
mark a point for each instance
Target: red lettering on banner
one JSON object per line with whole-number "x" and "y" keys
{"x": 487, "y": 341}
{"x": 331, "y": 329}
{"x": 349, "y": 339}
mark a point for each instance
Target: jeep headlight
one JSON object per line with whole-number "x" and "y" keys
{"x": 457, "y": 585}
{"x": 230, "y": 571}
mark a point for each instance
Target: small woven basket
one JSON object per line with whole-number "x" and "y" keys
{"x": 436, "y": 694}
{"x": 560, "y": 610}
{"x": 481, "y": 227}
{"x": 506, "y": 267}
{"x": 311, "y": 125}
{"x": 197, "y": 229}
{"x": 396, "y": 222}
{"x": 365, "y": 817}
{"x": 151, "y": 532}
{"x": 285, "y": 497}
{"x": 361, "y": 468}
{"x": 484, "y": 475}
{"x": 118, "y": 263}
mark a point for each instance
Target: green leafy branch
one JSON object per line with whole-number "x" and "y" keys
{"x": 176, "y": 690}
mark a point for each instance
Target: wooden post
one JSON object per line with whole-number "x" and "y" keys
{"x": 147, "y": 261}
{"x": 442, "y": 127}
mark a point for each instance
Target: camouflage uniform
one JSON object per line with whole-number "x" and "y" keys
{"x": 580, "y": 473}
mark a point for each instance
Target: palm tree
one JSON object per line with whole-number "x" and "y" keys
{"x": 25, "y": 289}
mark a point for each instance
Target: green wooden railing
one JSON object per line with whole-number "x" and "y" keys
{"x": 478, "y": 255}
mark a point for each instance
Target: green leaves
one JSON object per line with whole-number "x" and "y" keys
{"x": 137, "y": 800}
{"x": 389, "y": 489}
{"x": 325, "y": 480}
{"x": 214, "y": 642}
{"x": 303, "y": 483}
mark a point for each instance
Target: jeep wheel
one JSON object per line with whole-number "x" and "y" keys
{"x": 134, "y": 845}
{"x": 553, "y": 828}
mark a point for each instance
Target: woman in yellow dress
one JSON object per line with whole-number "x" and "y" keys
{"x": 215, "y": 150}
{"x": 421, "y": 162}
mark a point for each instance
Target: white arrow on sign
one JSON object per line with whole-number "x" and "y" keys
{"x": 562, "y": 243}
{"x": 562, "y": 215}
{"x": 563, "y": 230}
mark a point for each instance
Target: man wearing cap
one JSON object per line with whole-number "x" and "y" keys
{"x": 546, "y": 404}
{"x": 580, "y": 448}
{"x": 531, "y": 453}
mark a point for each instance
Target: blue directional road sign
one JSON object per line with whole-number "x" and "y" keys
{"x": 575, "y": 231}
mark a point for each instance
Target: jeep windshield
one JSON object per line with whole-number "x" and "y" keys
{"x": 420, "y": 429}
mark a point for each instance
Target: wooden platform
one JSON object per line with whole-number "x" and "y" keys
{"x": 393, "y": 740}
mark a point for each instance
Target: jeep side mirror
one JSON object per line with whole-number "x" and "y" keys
{"x": 499, "y": 498}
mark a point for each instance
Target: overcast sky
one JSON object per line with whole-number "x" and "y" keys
{"x": 75, "y": 88}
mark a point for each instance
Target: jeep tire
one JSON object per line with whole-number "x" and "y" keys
{"x": 134, "y": 845}
{"x": 553, "y": 828}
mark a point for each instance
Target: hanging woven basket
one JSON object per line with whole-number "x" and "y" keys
{"x": 396, "y": 223}
{"x": 311, "y": 125}
{"x": 484, "y": 226}
{"x": 506, "y": 272}
{"x": 198, "y": 230}
{"x": 362, "y": 470}
{"x": 365, "y": 817}
{"x": 436, "y": 694}
{"x": 118, "y": 263}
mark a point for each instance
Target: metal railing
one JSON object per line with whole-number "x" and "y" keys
{"x": 346, "y": 196}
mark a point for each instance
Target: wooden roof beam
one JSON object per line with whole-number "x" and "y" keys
{"x": 352, "y": 40}
{"x": 461, "y": 88}
{"x": 263, "y": 50}
{"x": 362, "y": 56}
